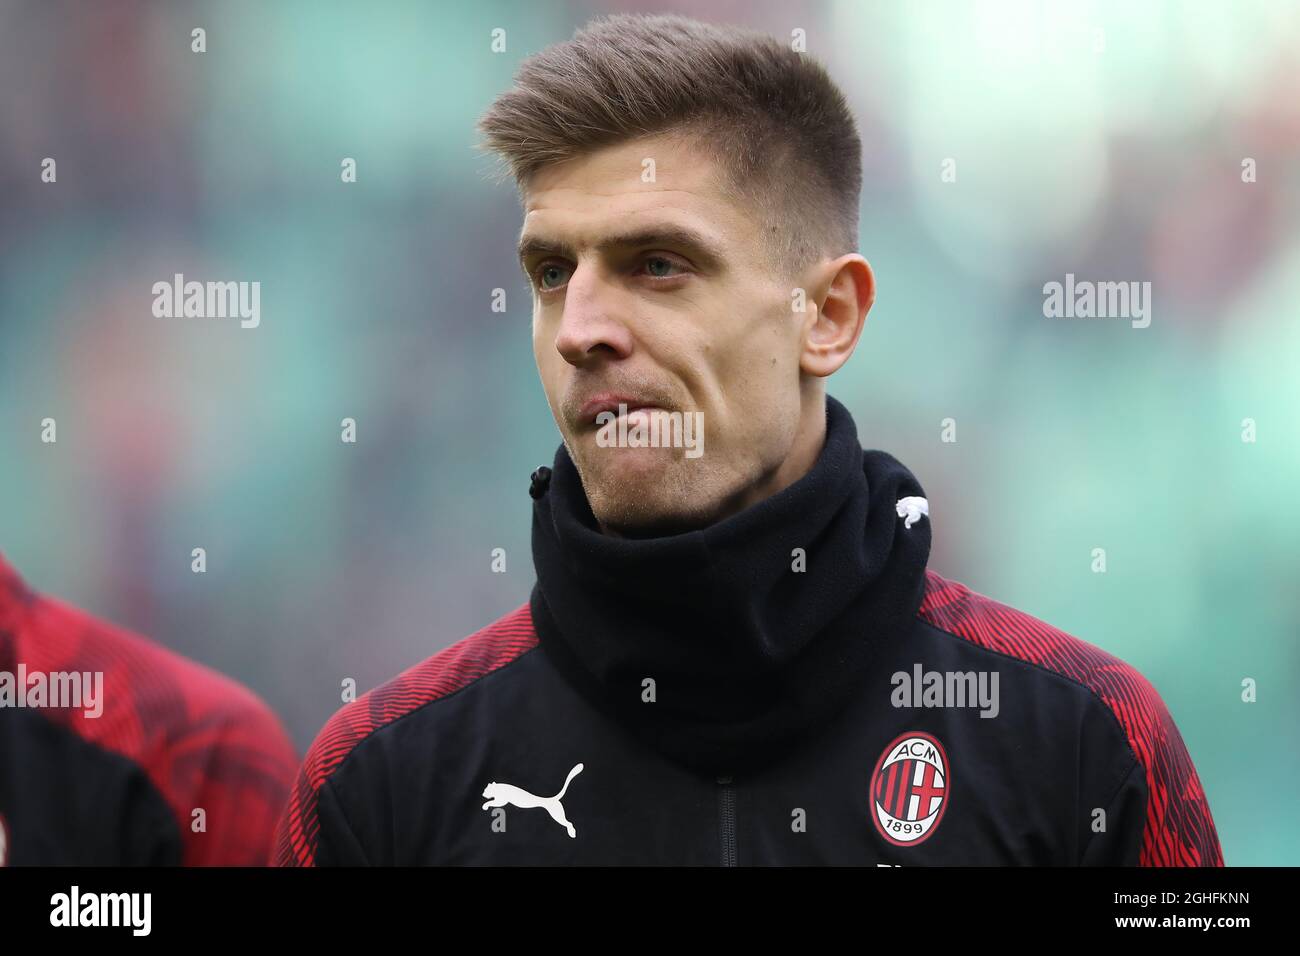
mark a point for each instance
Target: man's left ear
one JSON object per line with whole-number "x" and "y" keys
{"x": 840, "y": 313}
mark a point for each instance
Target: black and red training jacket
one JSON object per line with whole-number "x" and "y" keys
{"x": 790, "y": 685}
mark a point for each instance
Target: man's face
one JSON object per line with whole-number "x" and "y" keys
{"x": 659, "y": 295}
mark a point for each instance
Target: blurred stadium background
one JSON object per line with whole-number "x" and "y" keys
{"x": 1100, "y": 139}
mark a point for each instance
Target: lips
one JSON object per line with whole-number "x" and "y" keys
{"x": 607, "y": 402}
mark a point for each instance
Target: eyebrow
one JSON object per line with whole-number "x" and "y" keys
{"x": 680, "y": 236}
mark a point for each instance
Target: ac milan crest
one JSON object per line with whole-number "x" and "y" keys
{"x": 909, "y": 788}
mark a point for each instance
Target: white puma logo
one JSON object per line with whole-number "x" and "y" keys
{"x": 912, "y": 509}
{"x": 500, "y": 794}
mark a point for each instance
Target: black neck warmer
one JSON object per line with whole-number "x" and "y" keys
{"x": 746, "y": 653}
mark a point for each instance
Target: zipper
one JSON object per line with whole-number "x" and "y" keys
{"x": 727, "y": 819}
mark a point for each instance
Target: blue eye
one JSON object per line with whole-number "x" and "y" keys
{"x": 650, "y": 265}
{"x": 542, "y": 273}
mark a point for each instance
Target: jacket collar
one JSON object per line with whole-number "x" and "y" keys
{"x": 747, "y": 653}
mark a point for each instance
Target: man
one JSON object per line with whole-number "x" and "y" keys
{"x": 117, "y": 752}
{"x": 717, "y": 660}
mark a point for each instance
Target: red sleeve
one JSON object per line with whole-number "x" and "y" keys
{"x": 1178, "y": 829}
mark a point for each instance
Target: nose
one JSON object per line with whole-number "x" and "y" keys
{"x": 590, "y": 326}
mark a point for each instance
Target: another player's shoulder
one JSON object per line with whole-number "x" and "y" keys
{"x": 202, "y": 739}
{"x": 151, "y": 697}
